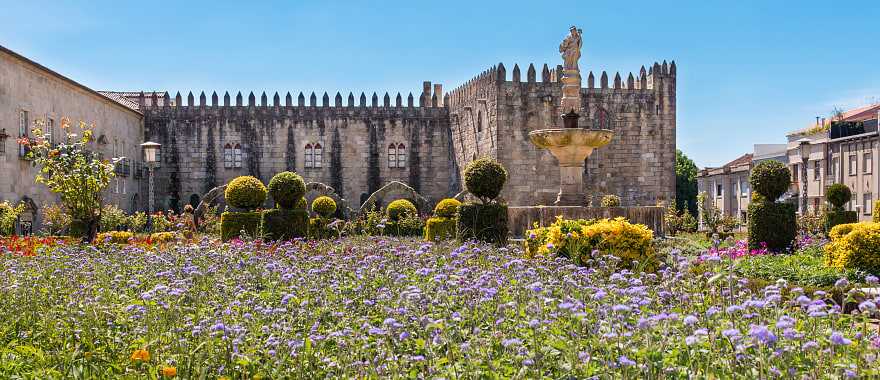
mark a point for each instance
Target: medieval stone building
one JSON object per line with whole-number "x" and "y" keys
{"x": 358, "y": 143}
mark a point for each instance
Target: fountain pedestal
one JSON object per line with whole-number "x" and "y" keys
{"x": 571, "y": 146}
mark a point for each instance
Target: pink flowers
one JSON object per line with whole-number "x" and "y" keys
{"x": 738, "y": 250}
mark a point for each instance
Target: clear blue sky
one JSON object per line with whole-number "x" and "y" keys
{"x": 748, "y": 71}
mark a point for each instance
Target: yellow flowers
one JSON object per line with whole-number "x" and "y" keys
{"x": 140, "y": 356}
{"x": 854, "y": 246}
{"x": 168, "y": 371}
{"x": 577, "y": 239}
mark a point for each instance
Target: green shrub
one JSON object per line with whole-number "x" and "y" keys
{"x": 286, "y": 189}
{"x": 448, "y": 207}
{"x": 771, "y": 179}
{"x": 56, "y": 220}
{"x": 245, "y": 192}
{"x": 837, "y": 217}
{"x": 8, "y": 217}
{"x": 838, "y": 194}
{"x": 773, "y": 223}
{"x": 802, "y": 268}
{"x": 318, "y": 228}
{"x": 407, "y": 224}
{"x": 859, "y": 248}
{"x": 484, "y": 178}
{"x": 113, "y": 219}
{"x": 485, "y": 222}
{"x": 281, "y": 224}
{"x": 78, "y": 228}
{"x": 440, "y": 228}
{"x": 232, "y": 224}
{"x": 302, "y": 204}
{"x": 610, "y": 200}
{"x": 163, "y": 237}
{"x": 876, "y": 215}
{"x": 324, "y": 206}
{"x": 399, "y": 208}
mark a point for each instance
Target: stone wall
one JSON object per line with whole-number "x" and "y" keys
{"x": 638, "y": 165}
{"x": 47, "y": 97}
{"x": 273, "y": 138}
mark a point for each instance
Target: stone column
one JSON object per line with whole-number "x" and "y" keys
{"x": 571, "y": 91}
{"x": 571, "y": 184}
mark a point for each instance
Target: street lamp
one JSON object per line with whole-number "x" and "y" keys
{"x": 151, "y": 152}
{"x": 804, "y": 147}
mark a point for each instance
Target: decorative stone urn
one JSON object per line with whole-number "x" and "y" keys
{"x": 571, "y": 146}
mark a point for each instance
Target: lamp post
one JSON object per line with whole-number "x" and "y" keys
{"x": 151, "y": 151}
{"x": 804, "y": 148}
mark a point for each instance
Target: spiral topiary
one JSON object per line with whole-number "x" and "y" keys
{"x": 484, "y": 178}
{"x": 245, "y": 192}
{"x": 324, "y": 206}
{"x": 447, "y": 208}
{"x": 838, "y": 194}
{"x": 286, "y": 188}
{"x": 398, "y": 208}
{"x": 770, "y": 179}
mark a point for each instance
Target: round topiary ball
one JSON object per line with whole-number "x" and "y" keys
{"x": 838, "y": 194}
{"x": 771, "y": 179}
{"x": 286, "y": 188}
{"x": 400, "y": 207}
{"x": 610, "y": 200}
{"x": 447, "y": 208}
{"x": 324, "y": 206}
{"x": 484, "y": 178}
{"x": 245, "y": 192}
{"x": 302, "y": 204}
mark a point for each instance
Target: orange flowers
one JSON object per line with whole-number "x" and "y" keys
{"x": 139, "y": 356}
{"x": 168, "y": 371}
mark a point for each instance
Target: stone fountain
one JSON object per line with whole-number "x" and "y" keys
{"x": 571, "y": 145}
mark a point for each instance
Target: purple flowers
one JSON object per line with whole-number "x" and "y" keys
{"x": 838, "y": 339}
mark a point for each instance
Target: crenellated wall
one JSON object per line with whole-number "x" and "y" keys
{"x": 492, "y": 115}
{"x": 354, "y": 140}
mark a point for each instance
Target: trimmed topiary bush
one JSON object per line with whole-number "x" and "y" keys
{"x": 440, "y": 228}
{"x": 773, "y": 223}
{"x": 245, "y": 192}
{"x": 855, "y": 246}
{"x": 324, "y": 206}
{"x": 485, "y": 222}
{"x": 399, "y": 208}
{"x": 484, "y": 178}
{"x": 838, "y": 194}
{"x": 232, "y": 224}
{"x": 447, "y": 208}
{"x": 838, "y": 217}
{"x": 318, "y": 228}
{"x": 407, "y": 224}
{"x": 302, "y": 204}
{"x": 610, "y": 200}
{"x": 286, "y": 189}
{"x": 282, "y": 224}
{"x": 771, "y": 179}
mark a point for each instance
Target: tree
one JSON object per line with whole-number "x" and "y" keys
{"x": 685, "y": 183}
{"x": 73, "y": 172}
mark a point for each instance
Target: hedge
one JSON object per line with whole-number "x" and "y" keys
{"x": 233, "y": 223}
{"x": 485, "y": 222}
{"x": 855, "y": 246}
{"x": 834, "y": 218}
{"x": 245, "y": 192}
{"x": 773, "y": 223}
{"x": 286, "y": 189}
{"x": 440, "y": 228}
{"x": 282, "y": 224}
{"x": 318, "y": 228}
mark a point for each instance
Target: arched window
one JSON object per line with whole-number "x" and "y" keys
{"x": 602, "y": 121}
{"x": 392, "y": 155}
{"x": 401, "y": 156}
{"x": 227, "y": 156}
{"x": 310, "y": 161}
{"x": 236, "y": 155}
{"x": 318, "y": 154}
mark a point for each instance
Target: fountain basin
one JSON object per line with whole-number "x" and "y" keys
{"x": 571, "y": 145}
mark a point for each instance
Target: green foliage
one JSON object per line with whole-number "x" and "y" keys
{"x": 771, "y": 179}
{"x": 685, "y": 183}
{"x": 113, "y": 219}
{"x": 114, "y": 237}
{"x": 8, "y": 217}
{"x": 709, "y": 213}
{"x": 245, "y": 192}
{"x": 838, "y": 194}
{"x": 234, "y": 224}
{"x": 302, "y": 204}
{"x": 484, "y": 178}
{"x": 440, "y": 228}
{"x": 56, "y": 221}
{"x": 773, "y": 223}
{"x": 163, "y": 237}
{"x": 804, "y": 268}
{"x": 320, "y": 228}
{"x": 72, "y": 171}
{"x": 876, "y": 215}
{"x": 282, "y": 224}
{"x": 286, "y": 189}
{"x": 854, "y": 246}
{"x": 407, "y": 224}
{"x": 162, "y": 222}
{"x": 678, "y": 221}
{"x": 610, "y": 200}
{"x": 447, "y": 208}
{"x": 484, "y": 222}
{"x": 399, "y": 208}
{"x": 834, "y": 218}
{"x": 137, "y": 222}
{"x": 324, "y": 206}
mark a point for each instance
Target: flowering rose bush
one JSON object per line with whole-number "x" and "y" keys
{"x": 371, "y": 308}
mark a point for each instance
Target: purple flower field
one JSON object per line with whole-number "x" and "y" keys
{"x": 372, "y": 308}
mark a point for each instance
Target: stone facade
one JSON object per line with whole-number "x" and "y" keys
{"x": 32, "y": 95}
{"x": 727, "y": 188}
